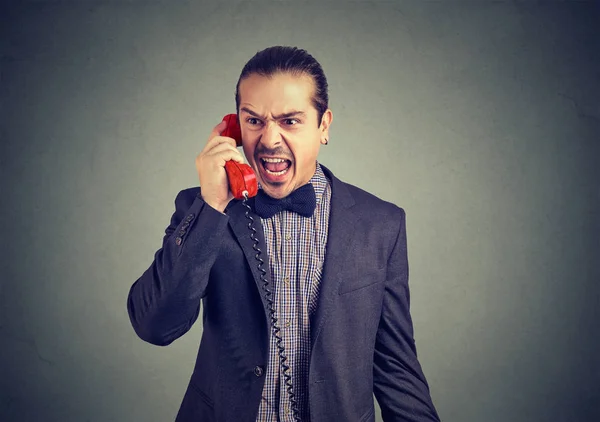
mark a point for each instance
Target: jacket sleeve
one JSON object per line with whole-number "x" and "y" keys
{"x": 399, "y": 383}
{"x": 164, "y": 302}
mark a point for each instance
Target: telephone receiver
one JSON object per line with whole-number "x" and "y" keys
{"x": 242, "y": 180}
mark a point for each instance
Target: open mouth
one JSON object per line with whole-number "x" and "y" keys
{"x": 275, "y": 166}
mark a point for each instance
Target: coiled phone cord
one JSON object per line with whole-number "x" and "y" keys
{"x": 271, "y": 309}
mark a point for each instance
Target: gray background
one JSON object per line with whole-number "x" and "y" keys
{"x": 481, "y": 119}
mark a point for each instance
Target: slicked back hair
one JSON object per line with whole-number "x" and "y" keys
{"x": 283, "y": 59}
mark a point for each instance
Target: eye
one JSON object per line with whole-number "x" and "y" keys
{"x": 291, "y": 122}
{"x": 253, "y": 121}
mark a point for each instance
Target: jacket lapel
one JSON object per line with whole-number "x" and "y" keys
{"x": 239, "y": 224}
{"x": 340, "y": 235}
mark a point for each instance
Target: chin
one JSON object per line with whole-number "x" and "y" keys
{"x": 277, "y": 190}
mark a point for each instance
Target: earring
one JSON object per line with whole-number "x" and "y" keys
{"x": 326, "y": 141}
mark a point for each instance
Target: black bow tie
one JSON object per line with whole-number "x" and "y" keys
{"x": 302, "y": 201}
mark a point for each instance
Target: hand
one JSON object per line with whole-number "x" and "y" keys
{"x": 210, "y": 164}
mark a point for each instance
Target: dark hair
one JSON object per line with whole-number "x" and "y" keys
{"x": 294, "y": 60}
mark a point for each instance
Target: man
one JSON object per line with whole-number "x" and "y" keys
{"x": 335, "y": 325}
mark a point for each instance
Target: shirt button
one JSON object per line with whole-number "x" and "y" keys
{"x": 286, "y": 280}
{"x": 258, "y": 371}
{"x": 178, "y": 241}
{"x": 287, "y": 323}
{"x": 288, "y": 237}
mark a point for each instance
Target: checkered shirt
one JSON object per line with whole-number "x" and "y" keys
{"x": 296, "y": 250}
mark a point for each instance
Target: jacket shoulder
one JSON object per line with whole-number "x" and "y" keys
{"x": 185, "y": 197}
{"x": 363, "y": 197}
{"x": 360, "y": 199}
{"x": 371, "y": 206}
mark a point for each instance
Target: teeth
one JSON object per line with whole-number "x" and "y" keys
{"x": 276, "y": 173}
{"x": 273, "y": 160}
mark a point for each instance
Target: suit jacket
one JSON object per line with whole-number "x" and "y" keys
{"x": 361, "y": 333}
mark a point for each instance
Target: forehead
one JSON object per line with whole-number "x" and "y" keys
{"x": 278, "y": 91}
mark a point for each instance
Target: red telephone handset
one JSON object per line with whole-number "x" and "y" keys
{"x": 242, "y": 179}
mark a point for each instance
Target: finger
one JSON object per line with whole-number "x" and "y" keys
{"x": 218, "y": 140}
{"x": 227, "y": 155}
{"x": 217, "y": 129}
{"x": 216, "y": 147}
{"x": 222, "y": 152}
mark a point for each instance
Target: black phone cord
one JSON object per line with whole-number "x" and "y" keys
{"x": 275, "y": 328}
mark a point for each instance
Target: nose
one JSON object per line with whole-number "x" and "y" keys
{"x": 270, "y": 137}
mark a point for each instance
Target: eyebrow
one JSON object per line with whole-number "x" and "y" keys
{"x": 280, "y": 116}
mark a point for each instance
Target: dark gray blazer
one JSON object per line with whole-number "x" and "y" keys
{"x": 361, "y": 333}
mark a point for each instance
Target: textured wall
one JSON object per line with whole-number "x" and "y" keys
{"x": 481, "y": 119}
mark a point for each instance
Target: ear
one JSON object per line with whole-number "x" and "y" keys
{"x": 325, "y": 123}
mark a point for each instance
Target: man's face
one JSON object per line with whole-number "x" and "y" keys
{"x": 281, "y": 137}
